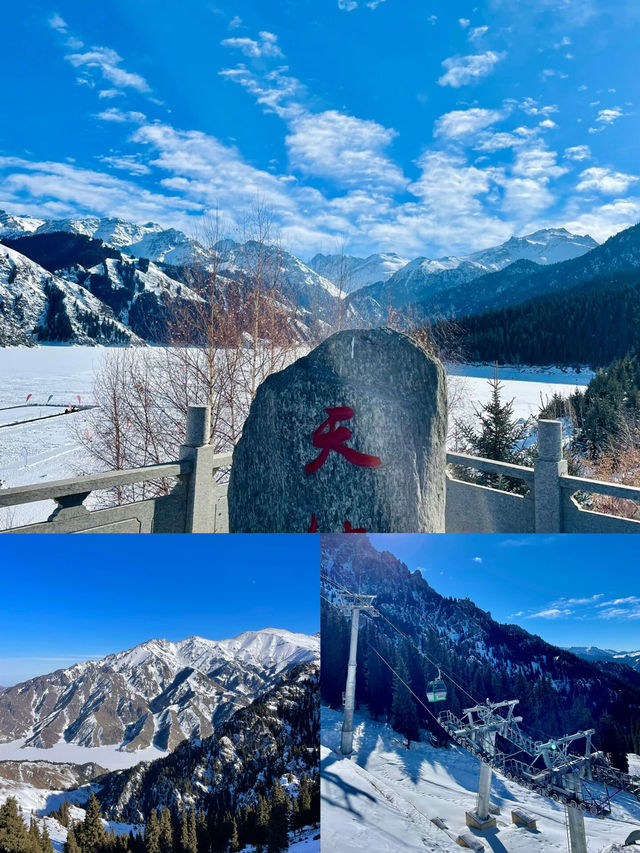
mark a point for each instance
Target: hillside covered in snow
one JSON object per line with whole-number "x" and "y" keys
{"x": 146, "y": 700}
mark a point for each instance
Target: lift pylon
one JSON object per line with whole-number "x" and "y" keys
{"x": 352, "y": 603}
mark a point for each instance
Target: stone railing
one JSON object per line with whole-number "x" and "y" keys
{"x": 548, "y": 507}
{"x": 197, "y": 503}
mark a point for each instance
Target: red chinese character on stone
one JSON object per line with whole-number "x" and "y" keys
{"x": 349, "y": 529}
{"x": 329, "y": 437}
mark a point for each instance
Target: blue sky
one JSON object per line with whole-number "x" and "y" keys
{"x": 66, "y": 601}
{"x": 571, "y": 590}
{"x": 419, "y": 127}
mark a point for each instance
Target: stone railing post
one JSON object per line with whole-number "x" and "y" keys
{"x": 200, "y": 512}
{"x": 548, "y": 468}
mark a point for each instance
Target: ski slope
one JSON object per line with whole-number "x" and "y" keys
{"x": 385, "y": 797}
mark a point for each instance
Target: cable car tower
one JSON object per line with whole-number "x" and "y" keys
{"x": 352, "y": 603}
{"x": 566, "y": 769}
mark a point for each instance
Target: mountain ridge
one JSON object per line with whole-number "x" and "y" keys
{"x": 152, "y": 695}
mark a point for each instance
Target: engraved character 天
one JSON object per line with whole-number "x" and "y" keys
{"x": 329, "y": 436}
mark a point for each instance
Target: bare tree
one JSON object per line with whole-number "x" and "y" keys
{"x": 226, "y": 335}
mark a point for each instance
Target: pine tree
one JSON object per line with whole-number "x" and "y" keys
{"x": 498, "y": 435}
{"x": 202, "y": 833}
{"x": 71, "y": 844}
{"x": 404, "y": 717}
{"x": 278, "y": 827}
{"x": 184, "y": 832}
{"x": 304, "y": 801}
{"x": 34, "y": 836}
{"x": 45, "y": 841}
{"x": 262, "y": 823}
{"x": 152, "y": 834}
{"x": 93, "y": 834}
{"x": 234, "y": 844}
{"x": 192, "y": 835}
{"x": 166, "y": 831}
{"x": 14, "y": 837}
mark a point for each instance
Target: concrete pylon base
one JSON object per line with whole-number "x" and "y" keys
{"x": 474, "y": 820}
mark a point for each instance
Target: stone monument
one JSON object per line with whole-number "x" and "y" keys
{"x": 350, "y": 438}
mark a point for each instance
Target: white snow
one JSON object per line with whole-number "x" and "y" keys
{"x": 529, "y": 387}
{"x": 384, "y": 797}
{"x": 109, "y": 757}
{"x": 38, "y": 802}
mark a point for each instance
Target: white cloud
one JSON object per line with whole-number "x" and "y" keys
{"x": 235, "y": 22}
{"x": 610, "y": 115}
{"x": 476, "y": 33}
{"x": 347, "y": 5}
{"x": 538, "y": 162}
{"x": 276, "y": 91}
{"x": 466, "y": 70}
{"x": 630, "y": 599}
{"x": 127, "y": 163}
{"x": 110, "y": 93}
{"x": 602, "y": 220}
{"x": 577, "y": 153}
{"x": 113, "y": 114}
{"x": 532, "y": 108}
{"x": 31, "y": 186}
{"x": 464, "y": 22}
{"x": 477, "y": 559}
{"x": 607, "y": 117}
{"x": 432, "y": 19}
{"x": 108, "y": 63}
{"x": 267, "y": 45}
{"x": 58, "y": 23}
{"x": 460, "y": 123}
{"x": 605, "y": 181}
{"x": 547, "y": 123}
{"x": 345, "y": 149}
{"x": 552, "y": 613}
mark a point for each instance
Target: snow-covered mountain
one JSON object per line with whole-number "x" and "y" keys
{"x": 276, "y": 735}
{"x": 38, "y": 306}
{"x": 153, "y": 695}
{"x": 631, "y": 659}
{"x": 150, "y": 240}
{"x": 280, "y": 270}
{"x": 349, "y": 273}
{"x": 147, "y": 275}
{"x": 424, "y": 280}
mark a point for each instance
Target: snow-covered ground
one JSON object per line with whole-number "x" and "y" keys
{"x": 46, "y": 450}
{"x": 384, "y": 798}
{"x": 529, "y": 387}
{"x": 39, "y": 802}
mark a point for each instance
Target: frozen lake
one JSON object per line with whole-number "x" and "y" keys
{"x": 41, "y": 450}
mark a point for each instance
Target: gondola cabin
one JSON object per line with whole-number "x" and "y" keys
{"x": 436, "y": 691}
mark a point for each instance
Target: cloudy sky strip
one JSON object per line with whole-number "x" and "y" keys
{"x": 426, "y": 134}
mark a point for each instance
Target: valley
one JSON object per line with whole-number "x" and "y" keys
{"x": 116, "y": 727}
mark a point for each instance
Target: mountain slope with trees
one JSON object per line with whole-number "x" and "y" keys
{"x": 274, "y": 738}
{"x": 558, "y": 692}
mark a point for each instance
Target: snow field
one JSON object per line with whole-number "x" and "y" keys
{"x": 384, "y": 798}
